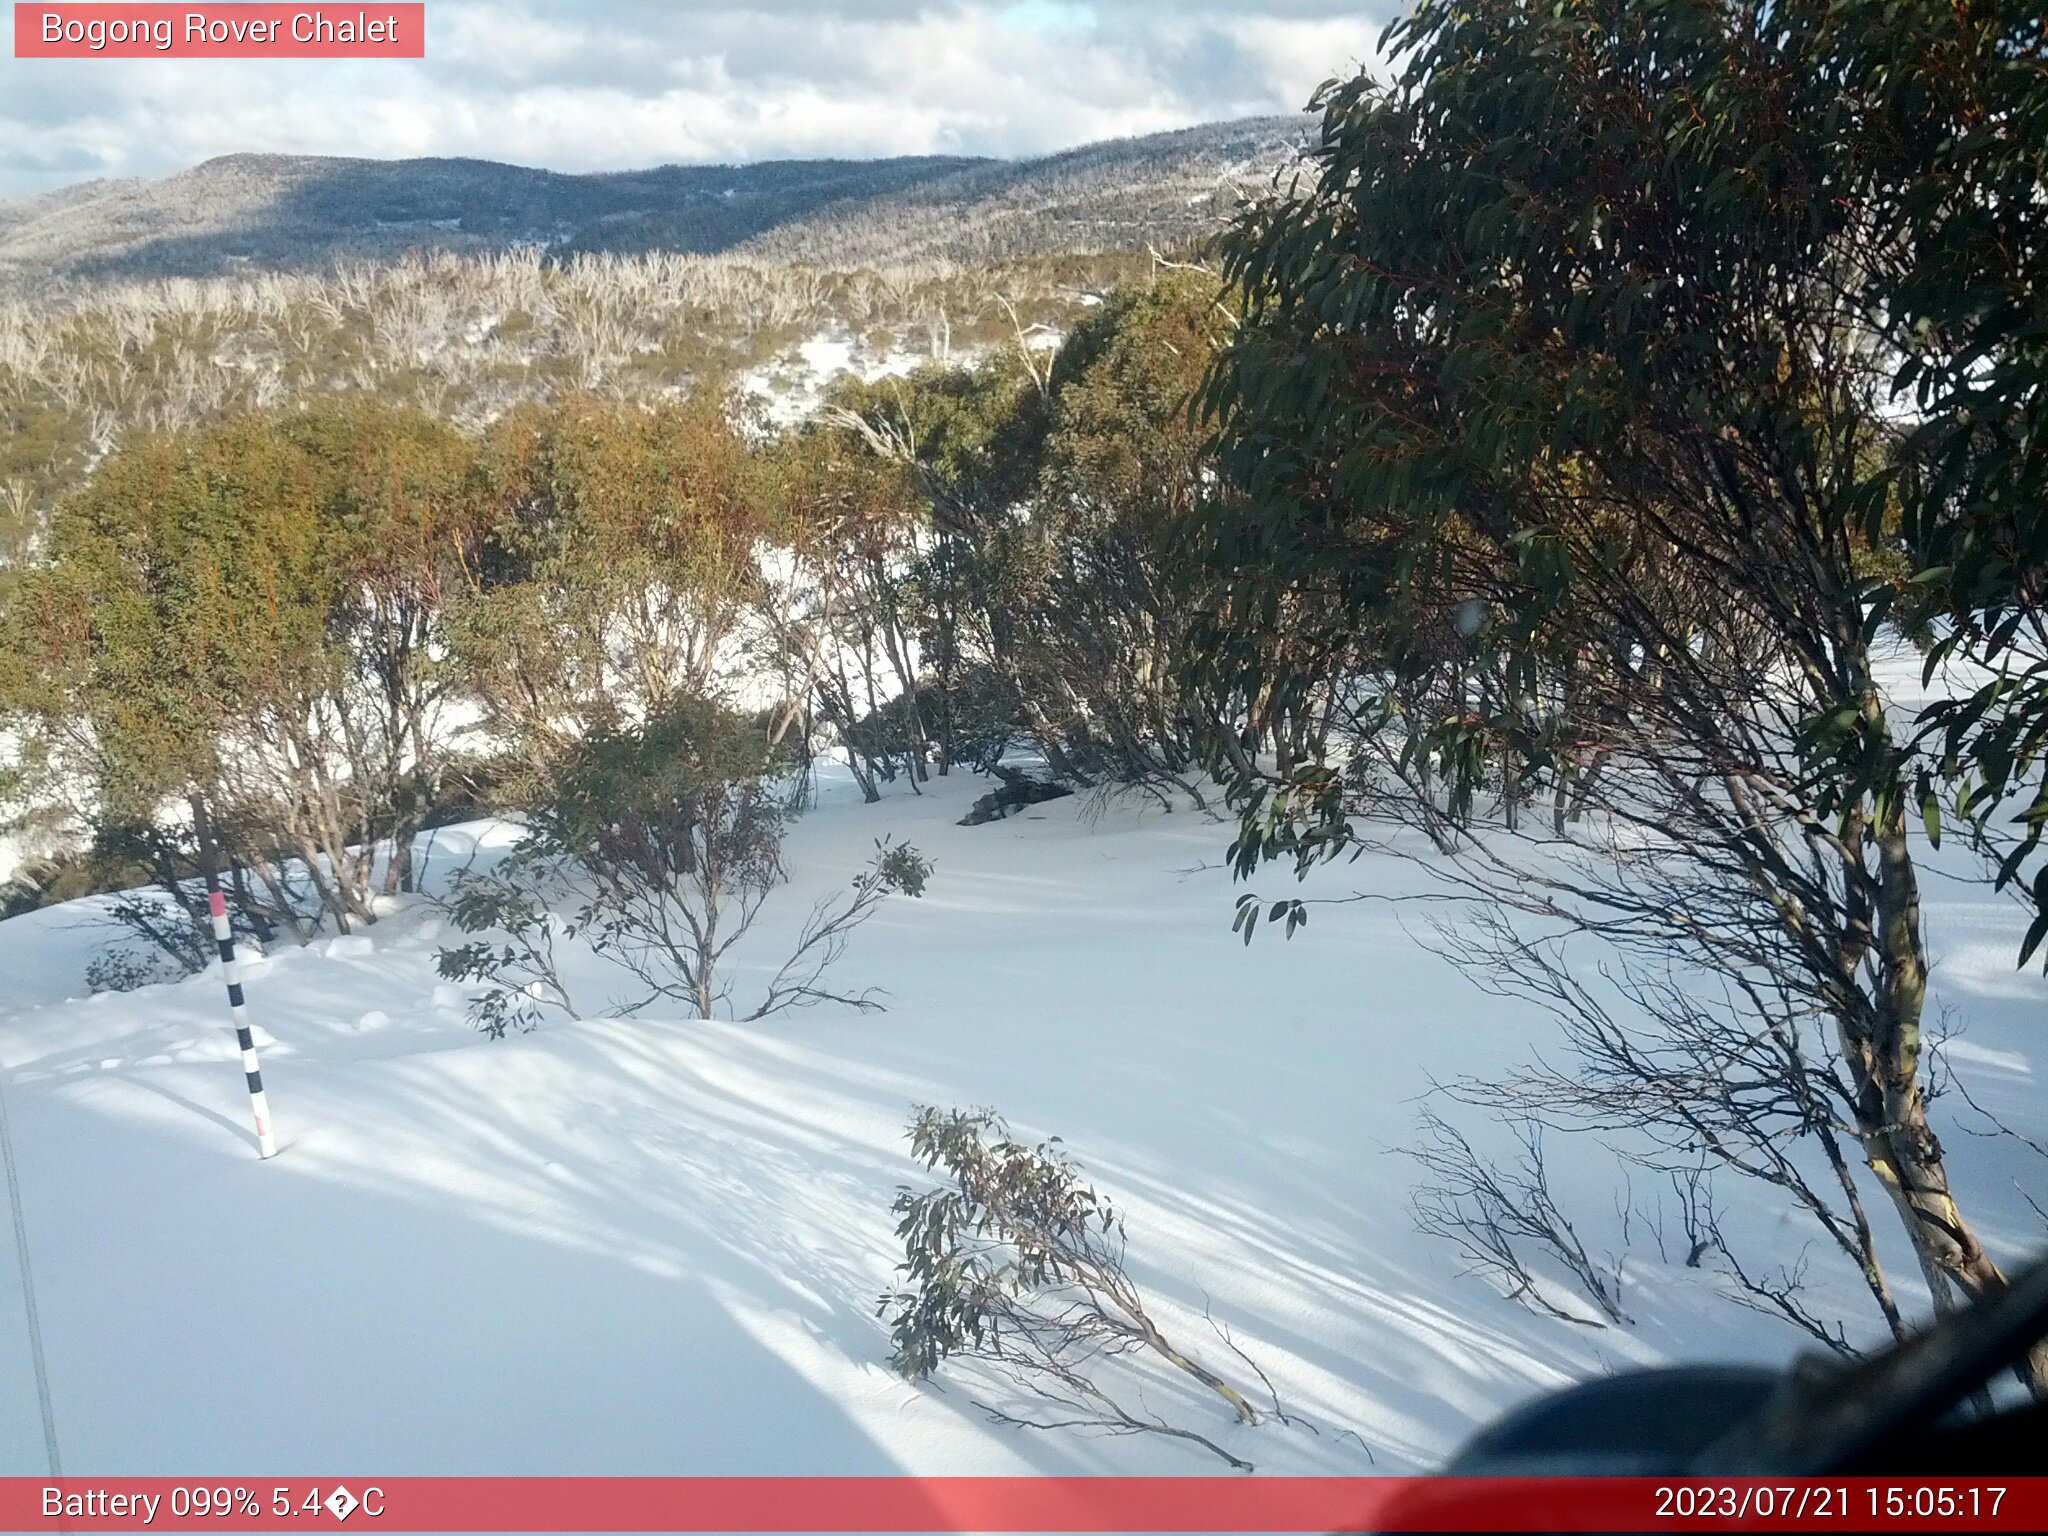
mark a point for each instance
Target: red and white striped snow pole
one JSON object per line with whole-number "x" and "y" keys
{"x": 224, "y": 936}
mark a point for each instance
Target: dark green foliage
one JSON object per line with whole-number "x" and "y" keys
{"x": 1246, "y": 923}
{"x": 1623, "y": 291}
{"x": 973, "y": 433}
{"x": 1018, "y": 1262}
{"x": 664, "y": 838}
{"x": 1567, "y": 464}
{"x": 1055, "y": 495}
{"x": 253, "y": 612}
{"x": 900, "y": 867}
{"x": 1953, "y": 127}
{"x": 1569, "y": 252}
{"x": 1015, "y": 1220}
{"x": 687, "y": 789}
{"x": 514, "y": 966}
{"x": 176, "y": 941}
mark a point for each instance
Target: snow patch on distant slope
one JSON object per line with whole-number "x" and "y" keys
{"x": 793, "y": 384}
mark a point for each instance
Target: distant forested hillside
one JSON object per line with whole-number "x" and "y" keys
{"x": 298, "y": 212}
{"x": 464, "y": 286}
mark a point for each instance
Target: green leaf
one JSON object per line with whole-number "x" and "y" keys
{"x": 2035, "y": 933}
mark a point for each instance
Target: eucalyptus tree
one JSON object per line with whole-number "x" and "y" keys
{"x": 1122, "y": 466}
{"x": 846, "y": 622}
{"x": 619, "y": 559}
{"x": 1053, "y": 501}
{"x": 251, "y": 611}
{"x": 659, "y": 841}
{"x": 1559, "y": 436}
{"x": 968, "y": 439}
{"x": 1950, "y": 122}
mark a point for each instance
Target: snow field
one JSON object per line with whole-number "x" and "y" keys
{"x": 654, "y": 1246}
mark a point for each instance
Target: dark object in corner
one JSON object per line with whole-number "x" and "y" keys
{"x": 1919, "y": 1409}
{"x": 1013, "y": 794}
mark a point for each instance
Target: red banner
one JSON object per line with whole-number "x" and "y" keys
{"x": 372, "y": 31}
{"x": 1015, "y": 1504}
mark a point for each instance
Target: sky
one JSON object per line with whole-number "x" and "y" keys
{"x": 574, "y": 85}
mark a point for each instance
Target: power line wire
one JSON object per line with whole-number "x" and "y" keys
{"x": 28, "y": 1287}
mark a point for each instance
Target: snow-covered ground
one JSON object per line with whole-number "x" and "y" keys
{"x": 792, "y": 385}
{"x": 654, "y": 1246}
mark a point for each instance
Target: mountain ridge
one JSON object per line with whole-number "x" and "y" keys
{"x": 265, "y": 211}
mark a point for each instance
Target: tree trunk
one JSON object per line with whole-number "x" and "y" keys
{"x": 1891, "y": 1104}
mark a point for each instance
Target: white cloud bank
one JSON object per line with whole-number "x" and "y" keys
{"x": 578, "y": 86}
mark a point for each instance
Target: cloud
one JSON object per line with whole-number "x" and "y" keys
{"x": 579, "y": 86}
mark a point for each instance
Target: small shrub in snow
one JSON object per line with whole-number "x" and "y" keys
{"x": 517, "y": 968}
{"x": 1019, "y": 1263}
{"x": 175, "y": 945}
{"x": 180, "y": 938}
{"x": 663, "y": 841}
{"x": 1500, "y": 1215}
{"x": 122, "y": 969}
{"x": 896, "y": 867}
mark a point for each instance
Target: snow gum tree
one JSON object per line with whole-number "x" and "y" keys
{"x": 252, "y": 612}
{"x": 1949, "y": 118}
{"x": 1053, "y": 496}
{"x": 1123, "y": 464}
{"x": 844, "y": 626}
{"x": 619, "y": 564}
{"x": 1558, "y": 422}
{"x": 967, "y": 441}
{"x": 676, "y": 829}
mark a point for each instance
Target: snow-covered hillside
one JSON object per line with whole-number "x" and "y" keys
{"x": 654, "y": 1245}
